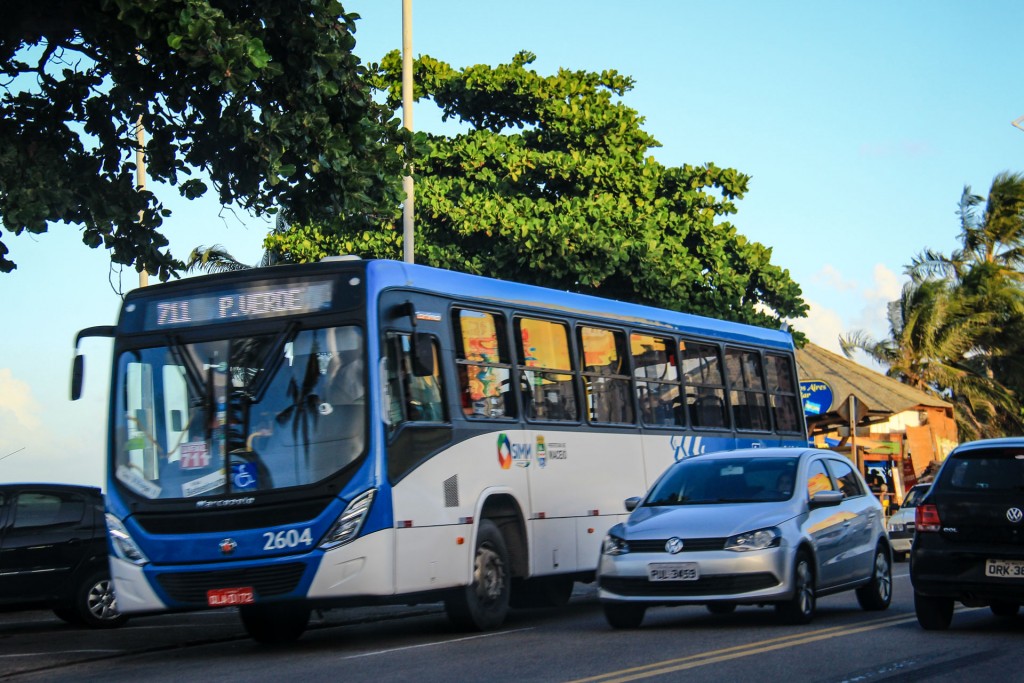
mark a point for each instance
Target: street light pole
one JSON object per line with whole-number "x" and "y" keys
{"x": 407, "y": 185}
{"x": 140, "y": 181}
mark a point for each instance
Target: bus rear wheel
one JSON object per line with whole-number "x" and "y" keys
{"x": 483, "y": 604}
{"x": 545, "y": 591}
{"x": 274, "y": 624}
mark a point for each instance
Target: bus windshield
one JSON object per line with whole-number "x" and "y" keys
{"x": 239, "y": 414}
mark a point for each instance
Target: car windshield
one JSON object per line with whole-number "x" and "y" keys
{"x": 240, "y": 414}
{"x": 997, "y": 469}
{"x": 698, "y": 481}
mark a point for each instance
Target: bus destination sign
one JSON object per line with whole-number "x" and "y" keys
{"x": 243, "y": 303}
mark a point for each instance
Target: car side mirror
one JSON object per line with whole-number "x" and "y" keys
{"x": 632, "y": 503}
{"x": 824, "y": 499}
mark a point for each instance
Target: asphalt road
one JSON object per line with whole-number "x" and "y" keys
{"x": 574, "y": 643}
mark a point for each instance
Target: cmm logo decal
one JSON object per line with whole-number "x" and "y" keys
{"x": 504, "y": 452}
{"x": 510, "y": 452}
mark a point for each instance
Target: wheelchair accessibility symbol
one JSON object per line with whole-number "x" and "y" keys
{"x": 243, "y": 476}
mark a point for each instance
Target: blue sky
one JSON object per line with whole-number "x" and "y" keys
{"x": 860, "y": 124}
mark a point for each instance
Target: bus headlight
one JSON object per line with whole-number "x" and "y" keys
{"x": 350, "y": 522}
{"x": 123, "y": 544}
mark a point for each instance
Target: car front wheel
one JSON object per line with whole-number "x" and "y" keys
{"x": 95, "y": 603}
{"x": 624, "y": 616}
{"x": 800, "y": 608}
{"x": 876, "y": 594}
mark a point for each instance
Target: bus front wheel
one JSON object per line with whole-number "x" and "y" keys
{"x": 483, "y": 604}
{"x": 274, "y": 624}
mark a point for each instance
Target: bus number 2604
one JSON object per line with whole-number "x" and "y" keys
{"x": 287, "y": 539}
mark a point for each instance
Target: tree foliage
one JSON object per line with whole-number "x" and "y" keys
{"x": 265, "y": 98}
{"x": 548, "y": 180}
{"x": 958, "y": 330}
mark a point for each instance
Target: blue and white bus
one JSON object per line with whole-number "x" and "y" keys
{"x": 359, "y": 432}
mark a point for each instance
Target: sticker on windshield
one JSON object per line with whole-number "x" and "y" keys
{"x": 135, "y": 481}
{"x": 194, "y": 455}
{"x": 198, "y": 487}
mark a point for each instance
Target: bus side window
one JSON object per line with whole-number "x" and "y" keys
{"x": 482, "y": 361}
{"x": 705, "y": 385}
{"x": 747, "y": 389}
{"x": 782, "y": 393}
{"x": 413, "y": 399}
{"x": 657, "y": 380}
{"x": 605, "y": 375}
{"x": 545, "y": 369}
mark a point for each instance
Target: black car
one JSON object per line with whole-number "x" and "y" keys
{"x": 53, "y": 553}
{"x": 969, "y": 540}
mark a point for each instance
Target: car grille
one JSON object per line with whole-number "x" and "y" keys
{"x": 191, "y": 587}
{"x": 726, "y": 584}
{"x": 690, "y": 544}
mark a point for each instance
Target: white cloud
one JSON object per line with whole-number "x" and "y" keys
{"x": 16, "y": 398}
{"x": 830, "y": 277}
{"x": 36, "y": 445}
{"x": 822, "y": 326}
{"x": 873, "y": 316}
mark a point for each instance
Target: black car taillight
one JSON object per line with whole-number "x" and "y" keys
{"x": 926, "y": 518}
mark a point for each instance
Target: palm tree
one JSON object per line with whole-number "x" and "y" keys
{"x": 932, "y": 347}
{"x": 217, "y": 259}
{"x": 958, "y": 328}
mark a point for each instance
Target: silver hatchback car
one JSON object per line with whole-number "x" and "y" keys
{"x": 762, "y": 526}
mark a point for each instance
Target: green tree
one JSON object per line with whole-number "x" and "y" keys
{"x": 549, "y": 180}
{"x": 264, "y": 98}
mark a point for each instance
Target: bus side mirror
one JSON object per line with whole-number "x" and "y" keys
{"x": 422, "y": 355}
{"x": 77, "y": 374}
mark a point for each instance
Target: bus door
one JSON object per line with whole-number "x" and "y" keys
{"x": 419, "y": 430}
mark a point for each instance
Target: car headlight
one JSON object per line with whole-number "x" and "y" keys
{"x": 613, "y": 545}
{"x": 895, "y": 526}
{"x": 347, "y": 527}
{"x": 123, "y": 544}
{"x": 754, "y": 540}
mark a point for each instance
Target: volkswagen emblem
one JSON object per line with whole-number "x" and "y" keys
{"x": 227, "y": 546}
{"x": 1014, "y": 515}
{"x": 674, "y": 545}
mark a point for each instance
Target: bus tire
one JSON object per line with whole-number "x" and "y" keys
{"x": 547, "y": 591}
{"x": 484, "y": 603}
{"x": 274, "y": 624}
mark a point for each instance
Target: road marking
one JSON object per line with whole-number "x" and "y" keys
{"x": 739, "y": 651}
{"x": 435, "y": 644}
{"x": 50, "y": 654}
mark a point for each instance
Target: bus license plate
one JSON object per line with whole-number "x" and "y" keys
{"x": 229, "y": 597}
{"x": 1010, "y": 569}
{"x": 673, "y": 571}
